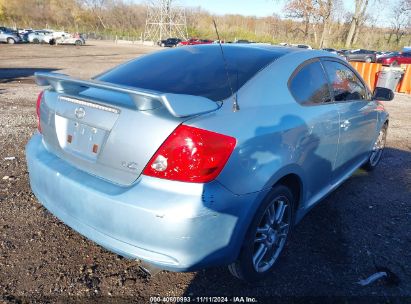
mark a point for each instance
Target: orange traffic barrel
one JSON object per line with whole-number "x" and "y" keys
{"x": 405, "y": 84}
{"x": 368, "y": 71}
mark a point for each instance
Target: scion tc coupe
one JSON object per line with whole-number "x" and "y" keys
{"x": 204, "y": 155}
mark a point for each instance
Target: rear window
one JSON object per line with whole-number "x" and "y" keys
{"x": 194, "y": 70}
{"x": 309, "y": 85}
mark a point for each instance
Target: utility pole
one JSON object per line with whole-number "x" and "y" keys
{"x": 165, "y": 19}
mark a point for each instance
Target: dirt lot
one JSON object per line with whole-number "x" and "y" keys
{"x": 360, "y": 229}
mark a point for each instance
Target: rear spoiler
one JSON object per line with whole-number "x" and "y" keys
{"x": 179, "y": 105}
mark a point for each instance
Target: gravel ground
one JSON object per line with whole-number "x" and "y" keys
{"x": 360, "y": 229}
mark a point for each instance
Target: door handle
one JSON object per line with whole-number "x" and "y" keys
{"x": 345, "y": 124}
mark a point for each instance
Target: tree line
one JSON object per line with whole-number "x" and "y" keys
{"x": 320, "y": 23}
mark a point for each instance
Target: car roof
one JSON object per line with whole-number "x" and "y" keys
{"x": 277, "y": 51}
{"x": 252, "y": 47}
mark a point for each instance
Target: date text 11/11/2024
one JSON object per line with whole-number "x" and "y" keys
{"x": 199, "y": 299}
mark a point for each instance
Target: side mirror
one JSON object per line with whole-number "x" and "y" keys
{"x": 383, "y": 94}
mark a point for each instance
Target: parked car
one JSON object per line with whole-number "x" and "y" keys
{"x": 395, "y": 59}
{"x": 392, "y": 54}
{"x": 380, "y": 54}
{"x": 242, "y": 41}
{"x": 66, "y": 38}
{"x": 302, "y": 46}
{"x": 164, "y": 169}
{"x": 331, "y": 50}
{"x": 9, "y": 37}
{"x": 361, "y": 55}
{"x": 9, "y": 30}
{"x": 39, "y": 36}
{"x": 24, "y": 34}
{"x": 55, "y": 36}
{"x": 169, "y": 42}
{"x": 194, "y": 41}
{"x": 187, "y": 42}
{"x": 24, "y": 31}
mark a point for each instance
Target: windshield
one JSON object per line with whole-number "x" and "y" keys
{"x": 194, "y": 70}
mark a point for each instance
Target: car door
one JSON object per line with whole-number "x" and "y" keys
{"x": 2, "y": 37}
{"x": 363, "y": 54}
{"x": 318, "y": 147}
{"x": 358, "y": 116}
{"x": 355, "y": 55}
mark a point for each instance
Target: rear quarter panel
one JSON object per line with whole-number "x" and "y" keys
{"x": 270, "y": 128}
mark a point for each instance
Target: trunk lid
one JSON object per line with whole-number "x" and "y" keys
{"x": 107, "y": 130}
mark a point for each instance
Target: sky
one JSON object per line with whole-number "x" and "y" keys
{"x": 259, "y": 8}
{"x": 262, "y": 8}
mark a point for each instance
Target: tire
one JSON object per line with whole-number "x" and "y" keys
{"x": 78, "y": 42}
{"x": 368, "y": 60}
{"x": 377, "y": 150}
{"x": 266, "y": 236}
{"x": 52, "y": 42}
{"x": 11, "y": 41}
{"x": 36, "y": 41}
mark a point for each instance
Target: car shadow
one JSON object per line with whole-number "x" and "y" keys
{"x": 348, "y": 236}
{"x": 19, "y": 74}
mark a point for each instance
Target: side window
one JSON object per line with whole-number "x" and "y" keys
{"x": 344, "y": 82}
{"x": 309, "y": 86}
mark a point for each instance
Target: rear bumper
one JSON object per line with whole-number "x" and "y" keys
{"x": 172, "y": 225}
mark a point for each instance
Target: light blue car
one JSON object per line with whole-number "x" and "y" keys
{"x": 9, "y": 37}
{"x": 204, "y": 155}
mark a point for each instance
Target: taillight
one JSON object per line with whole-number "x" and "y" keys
{"x": 39, "y": 98}
{"x": 191, "y": 155}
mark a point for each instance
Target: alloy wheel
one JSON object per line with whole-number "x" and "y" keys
{"x": 271, "y": 234}
{"x": 378, "y": 147}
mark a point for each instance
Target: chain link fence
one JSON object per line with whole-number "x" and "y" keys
{"x": 117, "y": 38}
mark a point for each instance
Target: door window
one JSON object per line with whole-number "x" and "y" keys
{"x": 309, "y": 85}
{"x": 345, "y": 84}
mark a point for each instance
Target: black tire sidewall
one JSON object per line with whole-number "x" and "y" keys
{"x": 368, "y": 165}
{"x": 246, "y": 255}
